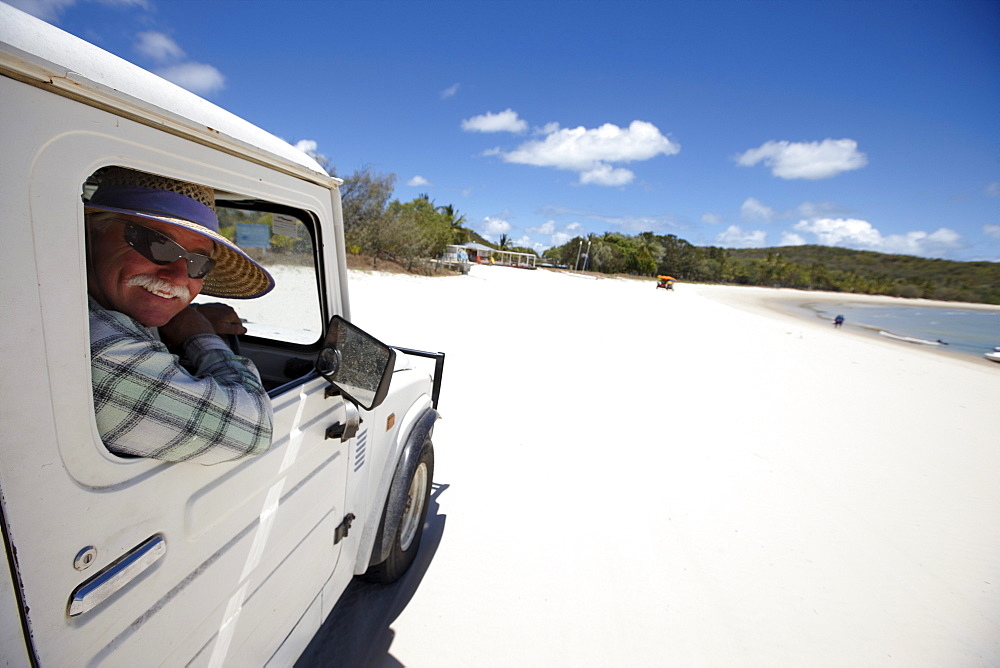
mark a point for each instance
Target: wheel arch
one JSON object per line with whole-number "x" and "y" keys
{"x": 417, "y": 426}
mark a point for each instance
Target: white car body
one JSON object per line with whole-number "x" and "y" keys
{"x": 235, "y": 564}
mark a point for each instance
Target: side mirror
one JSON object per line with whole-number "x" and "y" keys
{"x": 356, "y": 363}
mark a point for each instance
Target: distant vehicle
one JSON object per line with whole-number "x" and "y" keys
{"x": 108, "y": 560}
{"x": 455, "y": 257}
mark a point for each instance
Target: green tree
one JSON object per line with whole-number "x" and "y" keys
{"x": 455, "y": 223}
{"x": 365, "y": 196}
{"x": 422, "y": 231}
{"x": 805, "y": 267}
{"x": 648, "y": 252}
{"x": 679, "y": 258}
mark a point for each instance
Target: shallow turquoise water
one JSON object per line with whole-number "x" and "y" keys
{"x": 968, "y": 331}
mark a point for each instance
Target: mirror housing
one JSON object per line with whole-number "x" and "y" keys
{"x": 356, "y": 363}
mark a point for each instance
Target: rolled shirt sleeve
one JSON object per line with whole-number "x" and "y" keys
{"x": 148, "y": 405}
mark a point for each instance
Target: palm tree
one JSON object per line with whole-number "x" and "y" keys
{"x": 452, "y": 215}
{"x": 455, "y": 222}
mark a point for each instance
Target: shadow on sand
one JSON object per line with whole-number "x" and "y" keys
{"x": 357, "y": 633}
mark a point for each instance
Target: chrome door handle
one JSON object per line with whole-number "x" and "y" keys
{"x": 126, "y": 568}
{"x": 349, "y": 429}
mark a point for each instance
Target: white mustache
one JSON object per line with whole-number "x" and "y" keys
{"x": 160, "y": 287}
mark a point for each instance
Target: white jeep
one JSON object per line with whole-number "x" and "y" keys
{"x": 128, "y": 561}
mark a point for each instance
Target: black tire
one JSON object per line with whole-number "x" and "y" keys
{"x": 406, "y": 542}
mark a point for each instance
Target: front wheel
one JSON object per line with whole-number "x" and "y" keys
{"x": 406, "y": 542}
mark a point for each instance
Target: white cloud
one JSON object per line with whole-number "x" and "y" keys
{"x": 992, "y": 231}
{"x": 754, "y": 209}
{"x": 792, "y": 239}
{"x": 492, "y": 228}
{"x": 557, "y": 236}
{"x": 505, "y": 121}
{"x": 735, "y": 237}
{"x": 606, "y": 175}
{"x": 449, "y": 91}
{"x": 862, "y": 235}
{"x": 711, "y": 218}
{"x": 813, "y": 160}
{"x": 993, "y": 189}
{"x": 158, "y": 47}
{"x": 548, "y": 227}
{"x": 591, "y": 152}
{"x": 196, "y": 77}
{"x": 527, "y": 242}
{"x": 306, "y": 145}
{"x": 418, "y": 181}
{"x": 309, "y": 147}
{"x": 841, "y": 231}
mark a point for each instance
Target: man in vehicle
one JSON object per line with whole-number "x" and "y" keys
{"x": 153, "y": 246}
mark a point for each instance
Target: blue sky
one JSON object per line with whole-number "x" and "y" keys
{"x": 872, "y": 125}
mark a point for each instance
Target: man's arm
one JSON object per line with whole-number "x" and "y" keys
{"x": 147, "y": 405}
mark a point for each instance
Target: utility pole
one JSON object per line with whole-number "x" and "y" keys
{"x": 576, "y": 265}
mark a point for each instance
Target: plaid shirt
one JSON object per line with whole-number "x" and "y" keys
{"x": 148, "y": 405}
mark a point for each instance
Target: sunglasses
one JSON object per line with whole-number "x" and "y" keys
{"x": 160, "y": 249}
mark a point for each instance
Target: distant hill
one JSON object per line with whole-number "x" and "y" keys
{"x": 803, "y": 267}
{"x": 858, "y": 260}
{"x": 466, "y": 235}
{"x": 906, "y": 275}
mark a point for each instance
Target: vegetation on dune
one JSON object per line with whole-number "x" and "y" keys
{"x": 804, "y": 267}
{"x": 382, "y": 228}
{"x": 406, "y": 234}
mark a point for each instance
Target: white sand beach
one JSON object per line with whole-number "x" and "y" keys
{"x": 629, "y": 476}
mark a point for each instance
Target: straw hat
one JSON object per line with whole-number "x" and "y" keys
{"x": 192, "y": 207}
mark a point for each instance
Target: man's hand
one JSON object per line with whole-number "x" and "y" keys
{"x": 202, "y": 319}
{"x": 223, "y": 318}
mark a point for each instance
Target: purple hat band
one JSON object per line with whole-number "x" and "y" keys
{"x": 155, "y": 202}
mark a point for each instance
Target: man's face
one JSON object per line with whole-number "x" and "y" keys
{"x": 122, "y": 280}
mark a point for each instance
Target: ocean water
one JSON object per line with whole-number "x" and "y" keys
{"x": 960, "y": 330}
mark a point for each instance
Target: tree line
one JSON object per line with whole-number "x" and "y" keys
{"x": 808, "y": 267}
{"x": 383, "y": 228}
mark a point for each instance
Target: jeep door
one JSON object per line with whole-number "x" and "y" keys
{"x": 208, "y": 564}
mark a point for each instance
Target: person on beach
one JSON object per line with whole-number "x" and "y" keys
{"x": 152, "y": 246}
{"x": 838, "y": 321}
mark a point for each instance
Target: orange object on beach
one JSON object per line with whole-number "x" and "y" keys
{"x": 665, "y": 282}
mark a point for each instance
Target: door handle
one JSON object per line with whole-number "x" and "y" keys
{"x": 349, "y": 429}
{"x": 126, "y": 568}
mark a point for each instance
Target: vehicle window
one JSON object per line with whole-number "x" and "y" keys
{"x": 285, "y": 326}
{"x": 282, "y": 242}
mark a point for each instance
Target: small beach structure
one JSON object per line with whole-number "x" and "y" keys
{"x": 485, "y": 255}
